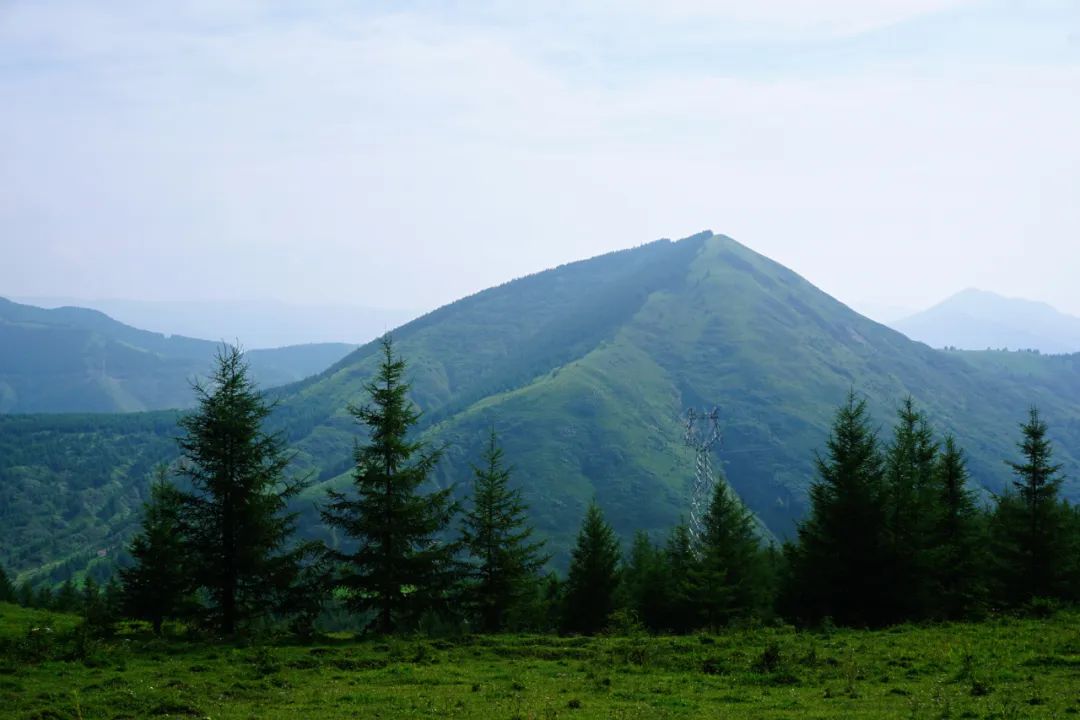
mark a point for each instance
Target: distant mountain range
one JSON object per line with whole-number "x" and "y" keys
{"x": 587, "y": 372}
{"x": 72, "y": 359}
{"x": 259, "y": 324}
{"x": 980, "y": 320}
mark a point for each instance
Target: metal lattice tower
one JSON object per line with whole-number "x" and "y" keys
{"x": 702, "y": 440}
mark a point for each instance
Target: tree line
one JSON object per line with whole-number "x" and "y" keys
{"x": 894, "y": 534}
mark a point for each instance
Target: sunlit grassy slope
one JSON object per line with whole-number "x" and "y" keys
{"x": 587, "y": 371}
{"x": 999, "y": 669}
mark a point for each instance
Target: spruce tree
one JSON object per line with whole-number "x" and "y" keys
{"x": 66, "y": 599}
{"x": 836, "y": 566}
{"x": 910, "y": 509}
{"x": 956, "y": 539}
{"x": 400, "y": 568}
{"x": 7, "y": 588}
{"x": 593, "y": 579}
{"x": 680, "y": 614}
{"x": 496, "y": 534}
{"x": 157, "y": 586}
{"x": 235, "y": 518}
{"x": 645, "y": 582}
{"x": 729, "y": 578}
{"x": 1030, "y": 524}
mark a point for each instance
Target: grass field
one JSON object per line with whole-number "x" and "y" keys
{"x": 1004, "y": 668}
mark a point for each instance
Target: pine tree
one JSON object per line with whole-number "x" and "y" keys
{"x": 400, "y": 568}
{"x": 66, "y": 599}
{"x": 593, "y": 579}
{"x": 836, "y": 567}
{"x": 644, "y": 582}
{"x": 24, "y": 594}
{"x": 956, "y": 538}
{"x": 680, "y": 612}
{"x": 235, "y": 519}
{"x": 910, "y": 510}
{"x": 729, "y": 578}
{"x": 1030, "y": 524}
{"x": 496, "y": 534}
{"x": 7, "y": 588}
{"x": 157, "y": 586}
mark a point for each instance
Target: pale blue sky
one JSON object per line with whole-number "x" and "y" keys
{"x": 893, "y": 151}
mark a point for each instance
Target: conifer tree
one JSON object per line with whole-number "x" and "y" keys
{"x": 66, "y": 598}
{"x": 236, "y": 523}
{"x": 1030, "y": 523}
{"x": 956, "y": 538}
{"x": 645, "y": 582}
{"x": 400, "y": 568}
{"x": 7, "y": 588}
{"x": 836, "y": 567}
{"x": 497, "y": 536}
{"x": 679, "y": 611}
{"x": 157, "y": 586}
{"x": 593, "y": 578}
{"x": 729, "y": 577}
{"x": 910, "y": 505}
{"x": 24, "y": 594}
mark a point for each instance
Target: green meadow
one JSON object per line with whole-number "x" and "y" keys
{"x": 1000, "y": 668}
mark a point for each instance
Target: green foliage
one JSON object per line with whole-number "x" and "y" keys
{"x": 159, "y": 584}
{"x": 957, "y": 540}
{"x": 910, "y": 509}
{"x": 643, "y": 586}
{"x": 729, "y": 579}
{"x": 7, "y": 588}
{"x": 588, "y": 369}
{"x": 593, "y": 580}
{"x": 496, "y": 534}
{"x": 837, "y": 567}
{"x": 78, "y": 360}
{"x": 235, "y": 526}
{"x": 400, "y": 569}
{"x": 1032, "y": 529}
{"x": 1002, "y": 668}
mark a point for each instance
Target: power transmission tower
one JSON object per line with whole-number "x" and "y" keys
{"x": 702, "y": 434}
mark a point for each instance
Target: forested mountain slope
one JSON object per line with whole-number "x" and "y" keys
{"x": 587, "y": 372}
{"x": 77, "y": 360}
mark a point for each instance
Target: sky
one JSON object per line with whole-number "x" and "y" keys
{"x": 404, "y": 154}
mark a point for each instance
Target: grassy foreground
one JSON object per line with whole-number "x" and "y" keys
{"x": 999, "y": 669}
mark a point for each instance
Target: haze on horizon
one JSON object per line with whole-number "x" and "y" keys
{"x": 403, "y": 155}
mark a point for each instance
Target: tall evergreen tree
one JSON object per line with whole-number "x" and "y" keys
{"x": 957, "y": 564}
{"x": 836, "y": 567}
{"x": 645, "y": 581}
{"x": 400, "y": 568}
{"x": 1030, "y": 524}
{"x": 496, "y": 534}
{"x": 157, "y": 586}
{"x": 729, "y": 579}
{"x": 66, "y": 599}
{"x": 593, "y": 579}
{"x": 235, "y": 517}
{"x": 7, "y": 588}
{"x": 910, "y": 509}
{"x": 679, "y": 611}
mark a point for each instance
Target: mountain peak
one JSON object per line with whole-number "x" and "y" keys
{"x": 976, "y": 319}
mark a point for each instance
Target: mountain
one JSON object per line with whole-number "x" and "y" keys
{"x": 587, "y": 372}
{"x": 259, "y": 323}
{"x": 977, "y": 320}
{"x": 73, "y": 359}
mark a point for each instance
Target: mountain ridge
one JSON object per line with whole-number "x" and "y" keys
{"x": 73, "y": 359}
{"x": 975, "y": 319}
{"x": 587, "y": 371}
